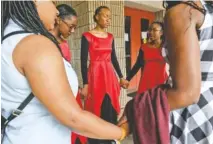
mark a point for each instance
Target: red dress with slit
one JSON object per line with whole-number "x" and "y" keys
{"x": 102, "y": 78}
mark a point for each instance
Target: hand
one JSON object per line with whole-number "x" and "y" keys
{"x": 123, "y": 123}
{"x": 124, "y": 83}
{"x": 122, "y": 120}
{"x": 84, "y": 91}
{"x": 125, "y": 130}
{"x": 125, "y": 126}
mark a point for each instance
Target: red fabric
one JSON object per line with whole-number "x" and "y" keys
{"x": 148, "y": 116}
{"x": 74, "y": 135}
{"x": 65, "y": 50}
{"x": 154, "y": 71}
{"x": 101, "y": 75}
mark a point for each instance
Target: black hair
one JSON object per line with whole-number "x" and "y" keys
{"x": 169, "y": 4}
{"x": 162, "y": 29}
{"x": 97, "y": 11}
{"x": 24, "y": 14}
{"x": 65, "y": 11}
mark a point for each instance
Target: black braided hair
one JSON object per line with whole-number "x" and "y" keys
{"x": 169, "y": 4}
{"x": 162, "y": 29}
{"x": 24, "y": 14}
{"x": 65, "y": 11}
{"x": 97, "y": 11}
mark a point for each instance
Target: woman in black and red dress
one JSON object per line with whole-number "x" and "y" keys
{"x": 150, "y": 60}
{"x": 101, "y": 87}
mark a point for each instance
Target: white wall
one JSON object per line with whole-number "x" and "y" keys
{"x": 152, "y": 6}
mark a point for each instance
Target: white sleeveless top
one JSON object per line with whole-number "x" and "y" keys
{"x": 36, "y": 125}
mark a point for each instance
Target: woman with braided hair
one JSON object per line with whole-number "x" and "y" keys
{"x": 189, "y": 35}
{"x": 31, "y": 62}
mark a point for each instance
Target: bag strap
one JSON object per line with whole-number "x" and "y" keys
{"x": 18, "y": 111}
{"x": 14, "y": 33}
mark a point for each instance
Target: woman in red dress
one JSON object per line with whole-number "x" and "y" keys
{"x": 65, "y": 25}
{"x": 150, "y": 60}
{"x": 101, "y": 86}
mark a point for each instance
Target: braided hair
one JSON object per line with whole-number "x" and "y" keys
{"x": 65, "y": 11}
{"x": 169, "y": 4}
{"x": 24, "y": 14}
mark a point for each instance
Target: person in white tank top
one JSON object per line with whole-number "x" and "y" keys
{"x": 31, "y": 62}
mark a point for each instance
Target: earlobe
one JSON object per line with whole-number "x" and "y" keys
{"x": 97, "y": 17}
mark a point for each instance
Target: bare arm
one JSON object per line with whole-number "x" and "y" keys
{"x": 41, "y": 62}
{"x": 184, "y": 54}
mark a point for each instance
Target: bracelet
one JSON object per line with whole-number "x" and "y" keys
{"x": 123, "y": 134}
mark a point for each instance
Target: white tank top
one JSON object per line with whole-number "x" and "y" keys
{"x": 36, "y": 125}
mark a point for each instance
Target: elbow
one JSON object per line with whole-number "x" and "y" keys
{"x": 190, "y": 96}
{"x": 183, "y": 97}
{"x": 76, "y": 121}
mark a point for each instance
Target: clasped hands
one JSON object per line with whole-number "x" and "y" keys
{"x": 124, "y": 83}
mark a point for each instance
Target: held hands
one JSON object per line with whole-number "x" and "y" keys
{"x": 124, "y": 83}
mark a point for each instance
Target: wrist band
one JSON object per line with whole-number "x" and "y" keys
{"x": 123, "y": 134}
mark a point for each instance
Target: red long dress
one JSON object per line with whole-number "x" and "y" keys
{"x": 102, "y": 78}
{"x": 154, "y": 70}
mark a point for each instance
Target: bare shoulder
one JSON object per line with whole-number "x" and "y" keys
{"x": 37, "y": 42}
{"x": 185, "y": 15}
{"x": 35, "y": 45}
{"x": 35, "y": 49}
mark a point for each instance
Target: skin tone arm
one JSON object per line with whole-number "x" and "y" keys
{"x": 37, "y": 58}
{"x": 181, "y": 22}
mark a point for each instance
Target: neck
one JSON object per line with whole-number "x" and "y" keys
{"x": 56, "y": 34}
{"x": 100, "y": 29}
{"x": 156, "y": 43}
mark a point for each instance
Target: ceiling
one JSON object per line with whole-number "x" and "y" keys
{"x": 152, "y": 6}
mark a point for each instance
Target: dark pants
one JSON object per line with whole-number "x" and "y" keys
{"x": 109, "y": 114}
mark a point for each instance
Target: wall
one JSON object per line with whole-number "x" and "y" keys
{"x": 159, "y": 16}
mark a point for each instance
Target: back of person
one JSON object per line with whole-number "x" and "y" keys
{"x": 35, "y": 125}
{"x": 194, "y": 124}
